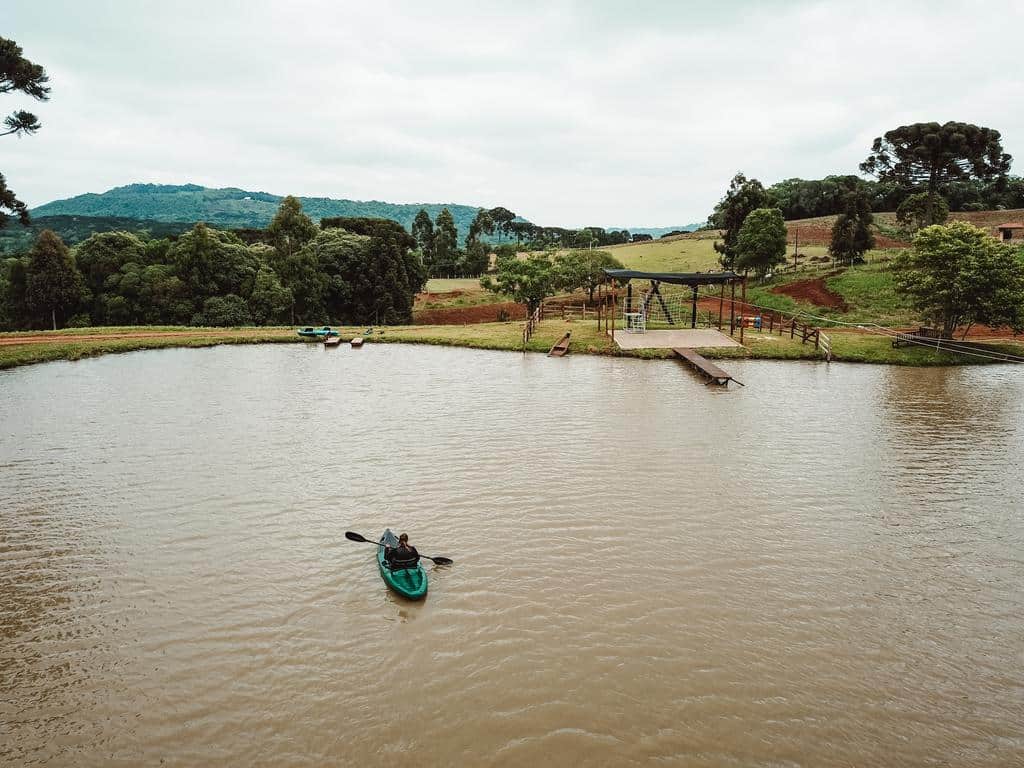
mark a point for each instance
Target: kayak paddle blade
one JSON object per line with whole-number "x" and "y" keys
{"x": 351, "y": 536}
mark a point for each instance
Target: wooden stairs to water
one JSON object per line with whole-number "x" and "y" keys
{"x": 706, "y": 368}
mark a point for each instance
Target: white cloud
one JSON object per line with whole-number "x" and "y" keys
{"x": 569, "y": 113}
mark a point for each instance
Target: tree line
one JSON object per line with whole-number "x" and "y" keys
{"x": 347, "y": 270}
{"x": 437, "y": 240}
{"x": 959, "y": 166}
{"x": 919, "y": 161}
{"x": 809, "y": 198}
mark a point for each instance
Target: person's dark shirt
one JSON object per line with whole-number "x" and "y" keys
{"x": 403, "y": 556}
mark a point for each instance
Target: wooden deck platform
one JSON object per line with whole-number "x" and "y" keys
{"x": 332, "y": 341}
{"x": 560, "y": 347}
{"x": 357, "y": 341}
{"x": 705, "y": 367}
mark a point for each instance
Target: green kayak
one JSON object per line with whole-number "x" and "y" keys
{"x": 408, "y": 582}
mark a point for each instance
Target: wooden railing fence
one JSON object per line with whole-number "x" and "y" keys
{"x": 531, "y": 324}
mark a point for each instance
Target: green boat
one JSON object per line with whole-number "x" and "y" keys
{"x": 408, "y": 582}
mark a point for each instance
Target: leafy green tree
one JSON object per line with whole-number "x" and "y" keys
{"x": 744, "y": 195}
{"x": 921, "y": 210}
{"x": 502, "y": 220}
{"x": 99, "y": 258}
{"x": 956, "y": 275}
{"x": 10, "y": 202}
{"x": 446, "y": 245}
{"x": 163, "y": 297}
{"x": 423, "y": 232}
{"x": 290, "y": 229}
{"x": 930, "y": 155}
{"x": 527, "y": 281}
{"x": 476, "y": 257}
{"x": 762, "y": 241}
{"x": 213, "y": 263}
{"x": 582, "y": 270}
{"x": 18, "y": 74}
{"x": 222, "y": 311}
{"x": 851, "y": 234}
{"x": 381, "y": 277}
{"x": 54, "y": 286}
{"x": 270, "y": 301}
{"x": 13, "y": 296}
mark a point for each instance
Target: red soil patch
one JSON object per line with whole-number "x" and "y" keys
{"x": 819, "y": 232}
{"x": 480, "y": 313}
{"x": 814, "y": 291}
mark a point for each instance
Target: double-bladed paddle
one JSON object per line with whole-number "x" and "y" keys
{"x": 351, "y": 536}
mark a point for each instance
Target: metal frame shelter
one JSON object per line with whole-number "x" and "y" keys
{"x": 692, "y": 279}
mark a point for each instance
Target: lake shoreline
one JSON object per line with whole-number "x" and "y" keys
{"x": 32, "y": 347}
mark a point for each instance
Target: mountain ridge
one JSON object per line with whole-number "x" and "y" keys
{"x": 236, "y": 207}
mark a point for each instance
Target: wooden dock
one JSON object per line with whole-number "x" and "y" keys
{"x": 561, "y": 347}
{"x": 357, "y": 341}
{"x": 706, "y": 368}
{"x": 332, "y": 341}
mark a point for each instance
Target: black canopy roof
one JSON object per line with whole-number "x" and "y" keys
{"x": 678, "y": 278}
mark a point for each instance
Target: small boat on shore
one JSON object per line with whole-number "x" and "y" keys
{"x": 316, "y": 333}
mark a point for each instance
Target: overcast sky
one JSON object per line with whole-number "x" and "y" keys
{"x": 570, "y": 114}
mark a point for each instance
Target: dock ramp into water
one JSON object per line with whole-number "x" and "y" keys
{"x": 705, "y": 367}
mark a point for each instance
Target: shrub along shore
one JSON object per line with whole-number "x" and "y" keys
{"x": 72, "y": 344}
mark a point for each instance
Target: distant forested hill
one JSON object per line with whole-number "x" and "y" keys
{"x": 657, "y": 232}
{"x": 165, "y": 209}
{"x": 231, "y": 207}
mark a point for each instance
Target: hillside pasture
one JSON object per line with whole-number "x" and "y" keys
{"x": 818, "y": 230}
{"x": 683, "y": 253}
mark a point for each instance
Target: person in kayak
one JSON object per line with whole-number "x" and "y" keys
{"x": 402, "y": 556}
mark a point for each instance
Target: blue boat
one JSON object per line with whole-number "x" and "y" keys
{"x": 316, "y": 333}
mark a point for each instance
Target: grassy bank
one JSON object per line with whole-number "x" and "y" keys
{"x": 147, "y": 337}
{"x": 74, "y": 344}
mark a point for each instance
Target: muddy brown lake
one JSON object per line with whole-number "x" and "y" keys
{"x": 824, "y": 568}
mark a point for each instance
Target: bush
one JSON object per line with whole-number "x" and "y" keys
{"x": 225, "y": 311}
{"x": 913, "y": 212}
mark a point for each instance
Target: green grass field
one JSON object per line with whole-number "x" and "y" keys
{"x": 444, "y": 285}
{"x": 695, "y": 253}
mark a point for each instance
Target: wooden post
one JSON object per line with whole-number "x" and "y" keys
{"x": 721, "y": 301}
{"x": 732, "y": 308}
{"x": 629, "y": 296}
{"x": 693, "y": 316}
{"x": 743, "y": 303}
{"x": 615, "y": 301}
